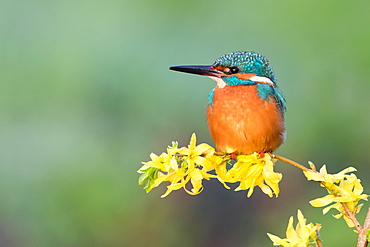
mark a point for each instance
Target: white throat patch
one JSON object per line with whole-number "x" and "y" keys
{"x": 257, "y": 79}
{"x": 219, "y": 81}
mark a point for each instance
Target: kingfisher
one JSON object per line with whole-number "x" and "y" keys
{"x": 245, "y": 111}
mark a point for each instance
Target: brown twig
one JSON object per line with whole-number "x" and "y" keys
{"x": 350, "y": 215}
{"x": 362, "y": 240}
{"x": 318, "y": 239}
{"x": 291, "y": 162}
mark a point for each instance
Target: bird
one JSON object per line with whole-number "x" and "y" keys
{"x": 245, "y": 111}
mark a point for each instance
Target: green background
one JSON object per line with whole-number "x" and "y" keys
{"x": 86, "y": 96}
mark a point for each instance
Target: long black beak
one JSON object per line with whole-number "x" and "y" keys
{"x": 207, "y": 70}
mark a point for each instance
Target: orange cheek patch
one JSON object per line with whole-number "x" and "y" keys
{"x": 244, "y": 76}
{"x": 219, "y": 67}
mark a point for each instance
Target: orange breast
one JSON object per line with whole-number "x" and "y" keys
{"x": 240, "y": 121}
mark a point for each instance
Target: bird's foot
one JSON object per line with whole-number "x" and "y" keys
{"x": 233, "y": 155}
{"x": 261, "y": 155}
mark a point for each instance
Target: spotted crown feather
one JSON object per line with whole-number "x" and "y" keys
{"x": 247, "y": 62}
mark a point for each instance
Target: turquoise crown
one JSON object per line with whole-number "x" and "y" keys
{"x": 247, "y": 62}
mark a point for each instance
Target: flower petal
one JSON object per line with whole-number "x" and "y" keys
{"x": 275, "y": 239}
{"x": 290, "y": 232}
{"x": 315, "y": 176}
{"x": 323, "y": 201}
{"x": 204, "y": 148}
{"x": 193, "y": 141}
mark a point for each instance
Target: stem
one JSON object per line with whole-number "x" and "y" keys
{"x": 351, "y": 216}
{"x": 291, "y": 162}
{"x": 318, "y": 240}
{"x": 362, "y": 241}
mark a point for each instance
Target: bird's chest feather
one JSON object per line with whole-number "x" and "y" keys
{"x": 238, "y": 116}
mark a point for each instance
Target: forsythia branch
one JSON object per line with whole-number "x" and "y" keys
{"x": 187, "y": 167}
{"x": 345, "y": 190}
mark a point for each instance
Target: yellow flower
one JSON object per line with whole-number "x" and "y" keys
{"x": 189, "y": 166}
{"x": 251, "y": 171}
{"x": 179, "y": 166}
{"x": 163, "y": 162}
{"x": 299, "y": 237}
{"x": 150, "y": 170}
{"x": 342, "y": 188}
{"x": 323, "y": 176}
{"x": 194, "y": 153}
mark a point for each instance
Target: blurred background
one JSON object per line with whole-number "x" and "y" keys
{"x": 86, "y": 96}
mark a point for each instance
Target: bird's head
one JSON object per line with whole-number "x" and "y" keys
{"x": 238, "y": 68}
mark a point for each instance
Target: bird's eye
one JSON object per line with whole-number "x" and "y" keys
{"x": 234, "y": 70}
